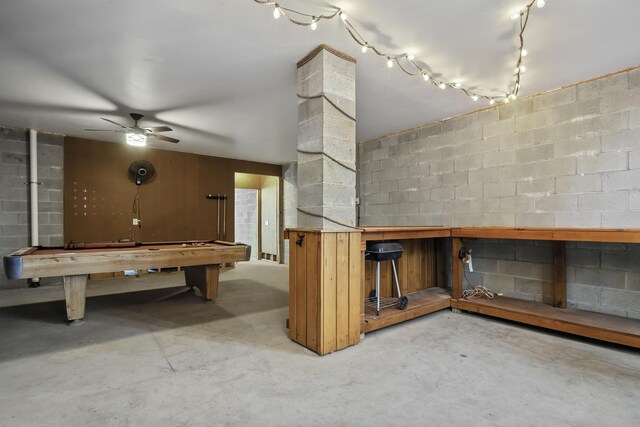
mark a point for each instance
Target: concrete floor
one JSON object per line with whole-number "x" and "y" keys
{"x": 164, "y": 357}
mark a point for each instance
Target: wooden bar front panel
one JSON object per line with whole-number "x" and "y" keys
{"x": 324, "y": 289}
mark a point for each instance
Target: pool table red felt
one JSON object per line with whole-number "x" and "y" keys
{"x": 201, "y": 261}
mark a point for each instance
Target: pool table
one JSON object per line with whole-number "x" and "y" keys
{"x": 75, "y": 261}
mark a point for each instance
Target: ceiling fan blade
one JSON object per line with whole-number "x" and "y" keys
{"x": 115, "y": 123}
{"x": 99, "y": 130}
{"x": 164, "y": 138}
{"x": 159, "y": 129}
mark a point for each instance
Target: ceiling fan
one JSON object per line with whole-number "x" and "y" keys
{"x": 137, "y": 135}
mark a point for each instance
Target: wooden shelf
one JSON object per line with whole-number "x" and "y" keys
{"x": 397, "y": 233}
{"x": 616, "y": 329}
{"x": 420, "y": 303}
{"x": 618, "y": 235}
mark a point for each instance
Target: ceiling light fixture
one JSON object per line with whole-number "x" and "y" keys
{"x": 365, "y": 48}
{"x": 276, "y": 13}
{"x": 389, "y": 63}
{"x": 136, "y": 139}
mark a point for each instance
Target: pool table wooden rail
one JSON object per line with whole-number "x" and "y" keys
{"x": 201, "y": 263}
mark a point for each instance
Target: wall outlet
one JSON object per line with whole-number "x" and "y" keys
{"x": 135, "y": 221}
{"x": 266, "y": 222}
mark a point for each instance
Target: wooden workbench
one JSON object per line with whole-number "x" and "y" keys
{"x": 330, "y": 279}
{"x": 616, "y": 329}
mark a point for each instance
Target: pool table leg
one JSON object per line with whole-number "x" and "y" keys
{"x": 74, "y": 295}
{"x": 205, "y": 278}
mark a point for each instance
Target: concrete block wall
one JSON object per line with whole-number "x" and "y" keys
{"x": 290, "y": 201}
{"x": 14, "y": 193}
{"x": 246, "y": 218}
{"x": 565, "y": 158}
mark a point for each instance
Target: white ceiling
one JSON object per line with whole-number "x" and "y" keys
{"x": 222, "y": 72}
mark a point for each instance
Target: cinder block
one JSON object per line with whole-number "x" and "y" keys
{"x": 455, "y": 151}
{"x": 527, "y": 270}
{"x": 483, "y": 117}
{"x": 519, "y": 108}
{"x": 375, "y": 199}
{"x": 483, "y": 175}
{"x": 467, "y": 220}
{"x": 516, "y": 204}
{"x": 379, "y": 154}
{"x": 431, "y": 207}
{"x": 578, "y": 219}
{"x": 621, "y": 300}
{"x": 605, "y": 162}
{"x": 554, "y": 98}
{"x": 634, "y": 159}
{"x": 428, "y": 182}
{"x": 577, "y": 111}
{"x": 501, "y": 158}
{"x": 500, "y": 283}
{"x": 485, "y": 205}
{"x": 633, "y": 282}
{"x": 609, "y": 201}
{"x": 468, "y": 134}
{"x": 534, "y": 154}
{"x": 534, "y": 253}
{"x": 536, "y": 120}
{"x": 499, "y": 128}
{"x": 485, "y": 265}
{"x": 587, "y": 145}
{"x": 621, "y": 260}
{"x": 429, "y": 130}
{"x": 517, "y": 172}
{"x": 536, "y": 186}
{"x": 499, "y": 251}
{"x": 601, "y": 277}
{"x": 455, "y": 206}
{"x": 454, "y": 124}
{"x": 624, "y": 140}
{"x": 624, "y": 180}
{"x": 577, "y": 257}
{"x": 499, "y": 189}
{"x": 487, "y": 145}
{"x": 531, "y": 287}
{"x": 634, "y": 200}
{"x": 465, "y": 192}
{"x": 409, "y": 184}
{"x": 578, "y": 183}
{"x": 634, "y": 78}
{"x": 408, "y": 136}
{"x": 468, "y": 163}
{"x": 440, "y": 167}
{"x": 456, "y": 178}
{"x": 627, "y": 99}
{"x": 440, "y": 140}
{"x": 408, "y": 208}
{"x": 388, "y": 186}
{"x": 583, "y": 294}
{"x": 555, "y": 167}
{"x": 555, "y": 203}
{"x": 498, "y": 219}
{"x": 517, "y": 140}
{"x": 634, "y": 119}
{"x": 535, "y": 219}
{"x": 599, "y": 87}
{"x": 400, "y": 196}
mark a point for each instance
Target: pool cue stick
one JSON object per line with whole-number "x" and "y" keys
{"x": 224, "y": 218}
{"x": 218, "y": 232}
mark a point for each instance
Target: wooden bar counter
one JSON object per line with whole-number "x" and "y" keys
{"x": 330, "y": 280}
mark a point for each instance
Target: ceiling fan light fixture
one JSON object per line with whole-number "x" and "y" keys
{"x": 136, "y": 139}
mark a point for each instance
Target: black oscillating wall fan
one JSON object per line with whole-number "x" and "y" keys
{"x": 141, "y": 172}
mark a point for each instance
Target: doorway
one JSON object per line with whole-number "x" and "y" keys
{"x": 257, "y": 214}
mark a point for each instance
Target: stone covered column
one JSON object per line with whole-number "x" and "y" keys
{"x": 326, "y": 139}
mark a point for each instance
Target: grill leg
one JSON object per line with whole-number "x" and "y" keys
{"x": 395, "y": 276}
{"x": 377, "y": 288}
